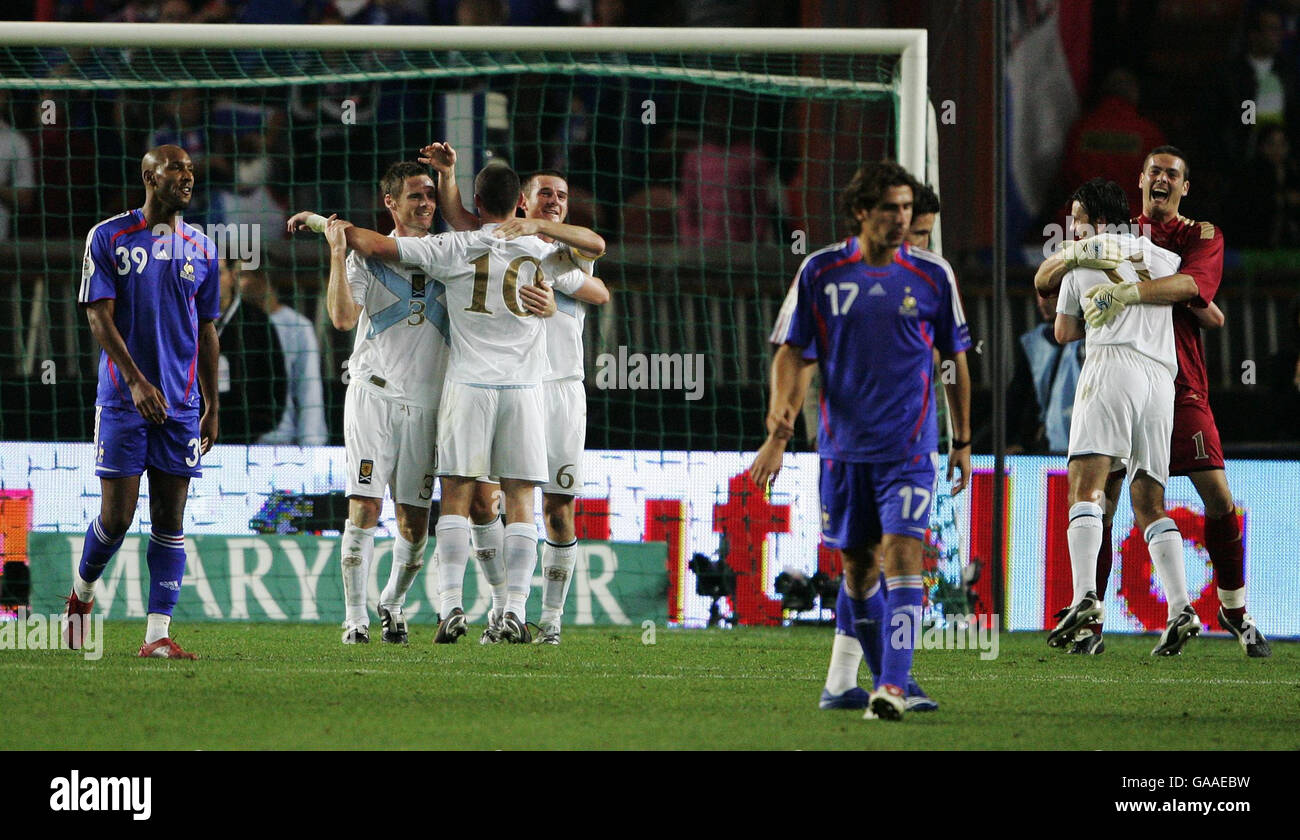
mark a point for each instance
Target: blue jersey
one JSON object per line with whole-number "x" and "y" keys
{"x": 874, "y": 331}
{"x": 161, "y": 287}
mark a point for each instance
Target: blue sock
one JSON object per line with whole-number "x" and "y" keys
{"x": 903, "y": 630}
{"x": 97, "y": 550}
{"x": 166, "y": 558}
{"x": 868, "y": 623}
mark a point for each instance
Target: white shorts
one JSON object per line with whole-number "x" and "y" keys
{"x": 491, "y": 432}
{"x": 566, "y": 435}
{"x": 1124, "y": 408}
{"x": 389, "y": 444}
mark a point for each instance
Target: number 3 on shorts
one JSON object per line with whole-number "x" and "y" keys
{"x": 922, "y": 503}
{"x": 193, "y": 461}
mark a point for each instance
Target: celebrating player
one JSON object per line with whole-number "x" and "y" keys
{"x": 150, "y": 285}
{"x": 390, "y": 414}
{"x": 1195, "y": 450}
{"x": 490, "y": 414}
{"x": 1123, "y": 409}
{"x": 395, "y": 382}
{"x": 872, "y": 310}
{"x": 545, "y": 201}
{"x": 841, "y": 690}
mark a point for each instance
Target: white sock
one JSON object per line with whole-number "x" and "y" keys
{"x": 408, "y": 559}
{"x": 84, "y": 589}
{"x": 1229, "y": 599}
{"x": 521, "y": 560}
{"x": 453, "y": 556}
{"x": 1084, "y": 538}
{"x": 489, "y": 541}
{"x": 846, "y": 656}
{"x": 358, "y": 546}
{"x": 156, "y": 627}
{"x": 1165, "y": 544}
{"x": 557, "y": 574}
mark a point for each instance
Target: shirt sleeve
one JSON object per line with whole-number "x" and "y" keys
{"x": 795, "y": 322}
{"x": 1203, "y": 261}
{"x": 98, "y": 272}
{"x": 208, "y": 298}
{"x": 951, "y": 333}
{"x": 430, "y": 253}
{"x": 571, "y": 274}
{"x": 1068, "y": 302}
{"x": 359, "y": 278}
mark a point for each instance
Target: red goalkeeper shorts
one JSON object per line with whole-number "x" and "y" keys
{"x": 1195, "y": 444}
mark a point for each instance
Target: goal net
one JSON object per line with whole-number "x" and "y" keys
{"x": 710, "y": 160}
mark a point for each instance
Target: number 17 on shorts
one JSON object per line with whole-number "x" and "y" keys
{"x": 861, "y": 502}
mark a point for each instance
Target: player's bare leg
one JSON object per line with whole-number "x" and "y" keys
{"x": 453, "y": 556}
{"x": 1165, "y": 544}
{"x": 408, "y": 559}
{"x": 1223, "y": 543}
{"x": 357, "y": 547}
{"x": 166, "y": 558}
{"x": 901, "y": 562}
{"x": 488, "y": 535}
{"x": 117, "y": 501}
{"x": 520, "y": 551}
{"x": 559, "y": 555}
{"x": 1087, "y": 476}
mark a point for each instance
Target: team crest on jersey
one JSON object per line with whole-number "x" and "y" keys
{"x": 417, "y": 285}
{"x": 187, "y": 271}
{"x": 909, "y": 303}
{"x": 365, "y": 471}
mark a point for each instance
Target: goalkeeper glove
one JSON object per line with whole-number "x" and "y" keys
{"x": 1103, "y": 303}
{"x": 1100, "y": 252}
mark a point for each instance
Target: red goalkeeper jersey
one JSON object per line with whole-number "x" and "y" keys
{"x": 1200, "y": 244}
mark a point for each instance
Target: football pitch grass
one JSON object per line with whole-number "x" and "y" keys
{"x": 290, "y": 687}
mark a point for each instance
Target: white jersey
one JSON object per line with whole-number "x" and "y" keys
{"x": 495, "y": 341}
{"x": 567, "y": 270}
{"x": 403, "y": 334}
{"x": 1147, "y": 329}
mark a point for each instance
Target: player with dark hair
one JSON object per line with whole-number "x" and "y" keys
{"x": 870, "y": 312}
{"x": 1195, "y": 450}
{"x": 491, "y": 401}
{"x": 925, "y": 212}
{"x": 150, "y": 285}
{"x": 544, "y": 202}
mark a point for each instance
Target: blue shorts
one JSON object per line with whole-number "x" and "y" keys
{"x": 126, "y": 443}
{"x": 860, "y": 502}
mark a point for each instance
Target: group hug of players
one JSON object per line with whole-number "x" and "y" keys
{"x": 872, "y": 310}
{"x": 467, "y": 367}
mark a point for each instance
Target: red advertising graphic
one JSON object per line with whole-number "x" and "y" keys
{"x": 981, "y": 536}
{"x": 746, "y": 519}
{"x": 665, "y": 521}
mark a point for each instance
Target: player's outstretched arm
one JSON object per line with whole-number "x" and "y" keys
{"x": 367, "y": 243}
{"x": 344, "y": 311}
{"x": 209, "y": 355}
{"x": 442, "y": 157}
{"x": 1174, "y": 288}
{"x": 149, "y": 401}
{"x": 958, "y": 393}
{"x": 586, "y": 240}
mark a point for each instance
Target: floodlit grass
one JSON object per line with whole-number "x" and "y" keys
{"x": 265, "y": 686}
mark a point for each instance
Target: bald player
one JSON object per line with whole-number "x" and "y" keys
{"x": 150, "y": 286}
